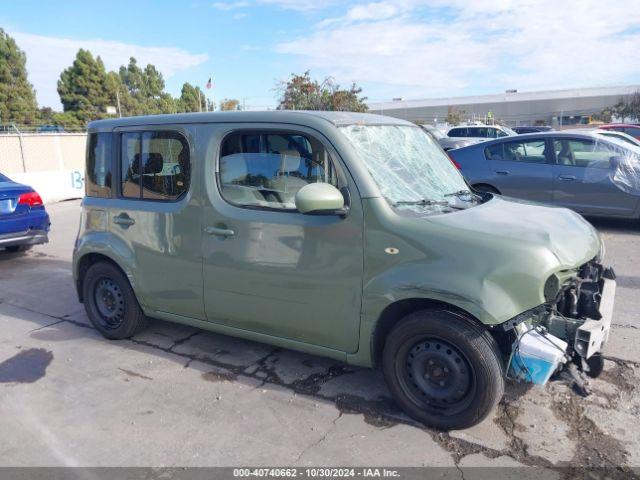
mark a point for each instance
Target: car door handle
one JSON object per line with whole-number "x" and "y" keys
{"x": 123, "y": 220}
{"x": 567, "y": 178}
{"x": 220, "y": 232}
{"x": 501, "y": 172}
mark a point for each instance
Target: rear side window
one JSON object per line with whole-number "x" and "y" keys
{"x": 529, "y": 151}
{"x": 98, "y": 168}
{"x": 457, "y": 132}
{"x": 261, "y": 169}
{"x": 154, "y": 165}
{"x": 583, "y": 153}
{"x": 633, "y": 131}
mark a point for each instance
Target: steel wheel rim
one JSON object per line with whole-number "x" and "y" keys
{"x": 436, "y": 375}
{"x": 109, "y": 302}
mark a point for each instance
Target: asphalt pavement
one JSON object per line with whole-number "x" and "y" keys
{"x": 178, "y": 396}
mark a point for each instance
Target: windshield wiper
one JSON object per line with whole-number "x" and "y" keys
{"x": 459, "y": 193}
{"x": 426, "y": 202}
{"x": 423, "y": 202}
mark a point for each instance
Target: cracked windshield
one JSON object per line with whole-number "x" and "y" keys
{"x": 408, "y": 167}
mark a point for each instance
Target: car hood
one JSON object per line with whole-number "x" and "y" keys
{"x": 508, "y": 221}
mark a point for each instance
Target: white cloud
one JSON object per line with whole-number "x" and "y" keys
{"x": 47, "y": 57}
{"x": 299, "y": 5}
{"x": 229, "y": 5}
{"x": 444, "y": 47}
{"x": 239, "y": 16}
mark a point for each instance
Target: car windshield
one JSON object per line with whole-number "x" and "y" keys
{"x": 408, "y": 166}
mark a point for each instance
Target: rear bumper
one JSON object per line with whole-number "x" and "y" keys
{"x": 27, "y": 237}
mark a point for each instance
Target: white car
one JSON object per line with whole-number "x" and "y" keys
{"x": 480, "y": 131}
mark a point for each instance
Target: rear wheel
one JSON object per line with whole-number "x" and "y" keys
{"x": 110, "y": 302}
{"x": 443, "y": 370}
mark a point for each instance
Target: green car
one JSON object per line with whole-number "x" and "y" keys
{"x": 346, "y": 235}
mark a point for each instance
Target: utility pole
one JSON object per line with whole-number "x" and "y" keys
{"x": 118, "y": 100}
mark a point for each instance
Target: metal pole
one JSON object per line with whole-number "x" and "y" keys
{"x": 24, "y": 165}
{"x": 199, "y": 101}
{"x": 118, "y": 100}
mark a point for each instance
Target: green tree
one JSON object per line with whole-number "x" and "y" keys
{"x": 146, "y": 89}
{"x": 454, "y": 117}
{"x": 17, "y": 97}
{"x": 627, "y": 108}
{"x": 193, "y": 99}
{"x": 84, "y": 89}
{"x": 229, "y": 104}
{"x": 300, "y": 92}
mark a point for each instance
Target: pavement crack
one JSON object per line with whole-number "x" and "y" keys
{"x": 131, "y": 373}
{"x": 624, "y": 325}
{"x": 180, "y": 341}
{"x": 62, "y": 318}
{"x": 322, "y": 439}
{"x": 48, "y": 325}
{"x": 621, "y": 361}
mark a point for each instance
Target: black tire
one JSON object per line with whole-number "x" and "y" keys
{"x": 443, "y": 369}
{"x": 486, "y": 189}
{"x": 110, "y": 302}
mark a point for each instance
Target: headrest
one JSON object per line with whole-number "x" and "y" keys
{"x": 154, "y": 163}
{"x": 290, "y": 161}
{"x": 233, "y": 168}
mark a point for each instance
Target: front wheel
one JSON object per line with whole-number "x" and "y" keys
{"x": 443, "y": 370}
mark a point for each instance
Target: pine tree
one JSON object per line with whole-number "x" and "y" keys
{"x": 192, "y": 99}
{"x": 146, "y": 89}
{"x": 84, "y": 89}
{"x": 17, "y": 97}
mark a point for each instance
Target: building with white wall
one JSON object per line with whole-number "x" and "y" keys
{"x": 552, "y": 107}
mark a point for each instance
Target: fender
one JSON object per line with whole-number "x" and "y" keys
{"x": 112, "y": 247}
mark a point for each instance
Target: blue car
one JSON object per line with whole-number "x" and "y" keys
{"x": 588, "y": 173}
{"x": 23, "y": 219}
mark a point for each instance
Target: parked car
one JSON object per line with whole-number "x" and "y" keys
{"x": 624, "y": 137}
{"x": 480, "y": 131}
{"x": 346, "y": 235}
{"x": 628, "y": 128}
{"x": 531, "y": 129}
{"x": 50, "y": 129}
{"x": 448, "y": 143}
{"x": 24, "y": 222}
{"x": 588, "y": 173}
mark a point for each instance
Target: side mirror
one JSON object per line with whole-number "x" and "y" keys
{"x": 616, "y": 161}
{"x": 320, "y": 199}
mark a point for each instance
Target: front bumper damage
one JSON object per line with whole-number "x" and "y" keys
{"x": 568, "y": 333}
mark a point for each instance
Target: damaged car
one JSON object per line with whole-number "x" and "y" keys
{"x": 351, "y": 236}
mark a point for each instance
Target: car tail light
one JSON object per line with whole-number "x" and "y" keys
{"x": 457, "y": 165}
{"x": 31, "y": 198}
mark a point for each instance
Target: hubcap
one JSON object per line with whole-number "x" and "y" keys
{"x": 110, "y": 302}
{"x": 437, "y": 375}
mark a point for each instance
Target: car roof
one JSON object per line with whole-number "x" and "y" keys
{"x": 303, "y": 117}
{"x": 477, "y": 126}
{"x": 541, "y": 135}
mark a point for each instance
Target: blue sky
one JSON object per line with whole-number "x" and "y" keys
{"x": 398, "y": 48}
